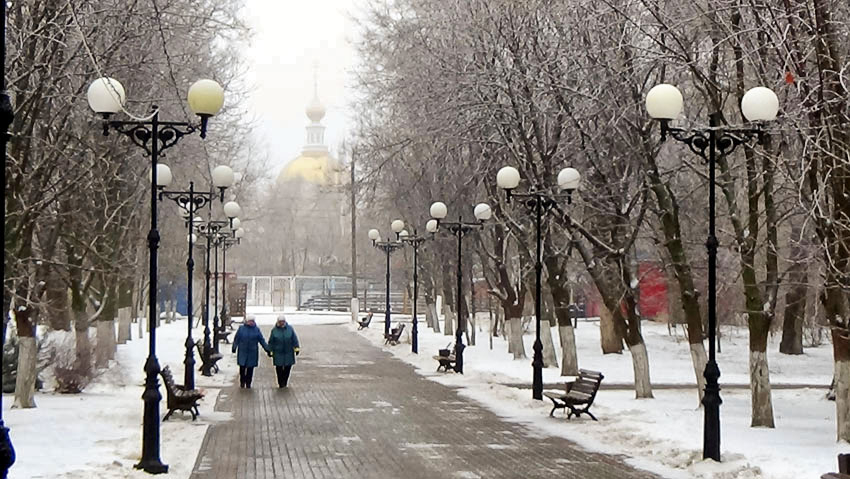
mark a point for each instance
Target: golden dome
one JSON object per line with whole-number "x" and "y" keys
{"x": 318, "y": 168}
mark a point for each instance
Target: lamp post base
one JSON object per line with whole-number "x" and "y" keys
{"x": 154, "y": 466}
{"x": 414, "y": 339}
{"x": 150, "y": 461}
{"x": 459, "y": 358}
{"x": 537, "y": 373}
{"x": 711, "y": 404}
{"x": 189, "y": 362}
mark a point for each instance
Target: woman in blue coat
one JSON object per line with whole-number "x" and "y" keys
{"x": 283, "y": 345}
{"x": 246, "y": 341}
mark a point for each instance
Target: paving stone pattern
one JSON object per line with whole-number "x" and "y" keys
{"x": 353, "y": 411}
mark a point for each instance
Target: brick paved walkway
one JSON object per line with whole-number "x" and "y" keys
{"x": 353, "y": 411}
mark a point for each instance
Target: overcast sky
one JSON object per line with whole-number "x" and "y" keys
{"x": 291, "y": 38}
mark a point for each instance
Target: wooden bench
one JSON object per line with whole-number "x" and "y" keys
{"x": 213, "y": 359}
{"x": 178, "y": 398}
{"x": 394, "y": 335}
{"x": 579, "y": 395}
{"x": 445, "y": 358}
{"x": 364, "y": 323}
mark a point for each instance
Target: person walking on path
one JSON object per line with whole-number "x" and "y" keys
{"x": 283, "y": 347}
{"x": 247, "y": 341}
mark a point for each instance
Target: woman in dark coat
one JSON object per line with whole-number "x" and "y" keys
{"x": 247, "y": 340}
{"x": 283, "y": 345}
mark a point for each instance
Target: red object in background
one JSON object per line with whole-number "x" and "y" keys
{"x": 653, "y": 303}
{"x": 653, "y": 292}
{"x": 789, "y": 78}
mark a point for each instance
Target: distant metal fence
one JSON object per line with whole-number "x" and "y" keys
{"x": 321, "y": 292}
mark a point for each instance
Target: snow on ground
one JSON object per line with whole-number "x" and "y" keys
{"x": 664, "y": 434}
{"x": 98, "y": 433}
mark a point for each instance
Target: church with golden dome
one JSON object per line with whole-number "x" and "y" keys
{"x": 315, "y": 164}
{"x": 309, "y": 204}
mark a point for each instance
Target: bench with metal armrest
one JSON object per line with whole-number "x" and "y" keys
{"x": 579, "y": 394}
{"x": 179, "y": 398}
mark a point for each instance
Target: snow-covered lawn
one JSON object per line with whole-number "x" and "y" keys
{"x": 98, "y": 433}
{"x": 663, "y": 434}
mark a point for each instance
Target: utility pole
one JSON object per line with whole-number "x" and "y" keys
{"x": 355, "y": 302}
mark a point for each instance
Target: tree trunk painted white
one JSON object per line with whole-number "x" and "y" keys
{"x": 517, "y": 346}
{"x": 124, "y": 326}
{"x": 550, "y": 357}
{"x": 842, "y": 399}
{"x": 140, "y": 318}
{"x": 430, "y": 315}
{"x": 355, "y": 309}
{"x": 435, "y": 318}
{"x": 760, "y": 399}
{"x": 102, "y": 344}
{"x": 640, "y": 364}
{"x": 699, "y": 359}
{"x": 569, "y": 357}
{"x": 449, "y": 320}
{"x": 25, "y": 381}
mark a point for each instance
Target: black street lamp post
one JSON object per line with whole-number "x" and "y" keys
{"x": 212, "y": 231}
{"x": 216, "y": 329}
{"x": 231, "y": 210}
{"x": 415, "y": 241}
{"x": 228, "y": 243}
{"x": 7, "y": 115}
{"x": 539, "y": 203}
{"x": 664, "y": 103}
{"x": 458, "y": 228}
{"x": 106, "y": 97}
{"x": 387, "y": 247}
{"x": 191, "y": 202}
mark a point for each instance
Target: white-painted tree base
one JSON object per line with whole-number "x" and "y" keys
{"x": 550, "y": 357}
{"x": 105, "y": 340}
{"x": 517, "y": 347}
{"x": 640, "y": 364}
{"x": 355, "y": 309}
{"x": 699, "y": 360}
{"x": 124, "y": 325}
{"x": 569, "y": 358}
{"x": 761, "y": 402}
{"x": 448, "y": 322}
